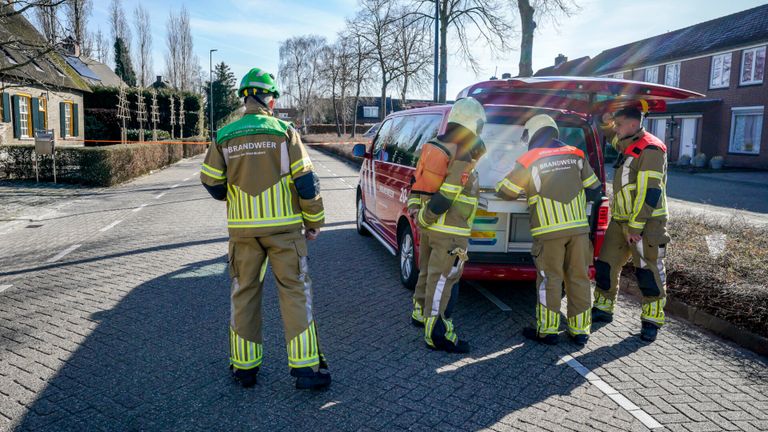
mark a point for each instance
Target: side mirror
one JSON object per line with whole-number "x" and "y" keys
{"x": 358, "y": 150}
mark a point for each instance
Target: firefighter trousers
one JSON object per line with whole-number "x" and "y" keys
{"x": 248, "y": 260}
{"x": 648, "y": 261}
{"x": 562, "y": 262}
{"x": 441, "y": 262}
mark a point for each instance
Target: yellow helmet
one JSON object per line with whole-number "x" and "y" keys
{"x": 468, "y": 112}
{"x": 537, "y": 123}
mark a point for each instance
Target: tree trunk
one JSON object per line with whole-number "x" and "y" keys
{"x": 383, "y": 105}
{"x": 443, "y": 76}
{"x": 526, "y": 41}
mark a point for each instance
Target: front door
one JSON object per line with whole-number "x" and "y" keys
{"x": 688, "y": 137}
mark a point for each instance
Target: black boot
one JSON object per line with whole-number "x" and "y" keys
{"x": 307, "y": 379}
{"x": 599, "y": 315}
{"x": 649, "y": 331}
{"x": 532, "y": 334}
{"x": 442, "y": 344}
{"x": 246, "y": 377}
{"x": 579, "y": 339}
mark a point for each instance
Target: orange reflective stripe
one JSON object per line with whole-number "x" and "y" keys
{"x": 532, "y": 156}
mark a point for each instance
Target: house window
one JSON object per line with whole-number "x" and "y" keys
{"x": 720, "y": 77}
{"x": 282, "y": 115}
{"x": 36, "y": 65}
{"x": 371, "y": 112}
{"x": 752, "y": 66}
{"x": 672, "y": 75}
{"x": 746, "y": 130}
{"x": 652, "y": 75}
{"x": 25, "y": 116}
{"x": 619, "y": 75}
{"x": 68, "y": 123}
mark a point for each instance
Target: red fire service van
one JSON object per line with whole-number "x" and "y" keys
{"x": 499, "y": 247}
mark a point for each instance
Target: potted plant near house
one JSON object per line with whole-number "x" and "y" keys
{"x": 684, "y": 160}
{"x": 700, "y": 160}
{"x": 717, "y": 162}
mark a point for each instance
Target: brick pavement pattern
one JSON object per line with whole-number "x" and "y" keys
{"x": 128, "y": 332}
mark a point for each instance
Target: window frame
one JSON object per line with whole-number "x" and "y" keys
{"x": 43, "y": 111}
{"x": 754, "y": 52}
{"x": 30, "y": 126}
{"x": 676, "y": 65}
{"x": 367, "y": 108}
{"x": 71, "y": 126}
{"x": 746, "y": 111}
{"x": 723, "y": 77}
{"x": 655, "y": 70}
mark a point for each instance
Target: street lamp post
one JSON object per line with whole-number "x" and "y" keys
{"x": 210, "y": 84}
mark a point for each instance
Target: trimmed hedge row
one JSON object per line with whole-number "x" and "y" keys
{"x": 331, "y": 129}
{"x": 96, "y": 166}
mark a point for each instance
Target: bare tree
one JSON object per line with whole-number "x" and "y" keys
{"x": 488, "y": 18}
{"x": 119, "y": 23}
{"x": 375, "y": 24}
{"x": 101, "y": 46}
{"x": 413, "y": 52}
{"x": 180, "y": 62}
{"x": 337, "y": 78}
{"x": 46, "y": 14}
{"x": 530, "y": 11}
{"x": 300, "y": 67}
{"x": 77, "y": 13}
{"x": 143, "y": 27}
{"x": 360, "y": 67}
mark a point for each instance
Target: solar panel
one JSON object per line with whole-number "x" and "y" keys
{"x": 82, "y": 68}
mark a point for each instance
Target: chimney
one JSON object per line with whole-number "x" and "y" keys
{"x": 560, "y": 59}
{"x": 506, "y": 75}
{"x": 159, "y": 79}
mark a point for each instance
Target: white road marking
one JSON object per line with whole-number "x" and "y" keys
{"x": 63, "y": 253}
{"x": 612, "y": 393}
{"x": 186, "y": 179}
{"x": 495, "y": 300}
{"x": 139, "y": 208}
{"x": 175, "y": 186}
{"x": 161, "y": 195}
{"x": 470, "y": 361}
{"x": 110, "y": 226}
{"x": 4, "y": 287}
{"x": 329, "y": 404}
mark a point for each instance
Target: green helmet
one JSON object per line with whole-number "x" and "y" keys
{"x": 259, "y": 82}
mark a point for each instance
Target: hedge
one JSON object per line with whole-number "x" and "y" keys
{"x": 95, "y": 166}
{"x": 101, "y": 122}
{"x": 331, "y": 129}
{"x": 133, "y": 135}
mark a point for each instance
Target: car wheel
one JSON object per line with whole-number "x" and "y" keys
{"x": 360, "y": 219}
{"x": 409, "y": 271}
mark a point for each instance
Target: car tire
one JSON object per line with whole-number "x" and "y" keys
{"x": 360, "y": 217}
{"x": 409, "y": 270}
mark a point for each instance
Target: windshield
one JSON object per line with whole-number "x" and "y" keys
{"x": 504, "y": 147}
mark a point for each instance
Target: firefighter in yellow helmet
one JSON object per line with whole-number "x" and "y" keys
{"x": 443, "y": 200}
{"x": 558, "y": 181}
{"x": 638, "y": 222}
{"x": 261, "y": 168}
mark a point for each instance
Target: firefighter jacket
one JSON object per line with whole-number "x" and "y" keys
{"x": 264, "y": 172}
{"x": 639, "y": 183}
{"x": 445, "y": 189}
{"x": 554, "y": 179}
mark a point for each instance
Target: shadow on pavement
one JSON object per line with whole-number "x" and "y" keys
{"x": 158, "y": 359}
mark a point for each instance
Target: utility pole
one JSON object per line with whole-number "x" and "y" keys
{"x": 437, "y": 45}
{"x": 210, "y": 82}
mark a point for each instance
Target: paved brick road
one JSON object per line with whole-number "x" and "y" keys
{"x": 108, "y": 326}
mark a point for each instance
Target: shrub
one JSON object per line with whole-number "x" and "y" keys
{"x": 133, "y": 135}
{"x": 97, "y": 166}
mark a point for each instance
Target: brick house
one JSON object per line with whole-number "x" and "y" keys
{"x": 39, "y": 90}
{"x": 724, "y": 59}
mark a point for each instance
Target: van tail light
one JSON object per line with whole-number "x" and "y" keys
{"x": 603, "y": 215}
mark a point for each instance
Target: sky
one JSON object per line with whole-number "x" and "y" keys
{"x": 247, "y": 33}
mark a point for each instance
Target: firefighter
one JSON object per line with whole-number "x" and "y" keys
{"x": 443, "y": 201}
{"x": 261, "y": 168}
{"x": 558, "y": 181}
{"x": 638, "y": 223}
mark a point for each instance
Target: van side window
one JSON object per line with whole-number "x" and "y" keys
{"x": 415, "y": 131}
{"x": 384, "y": 139}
